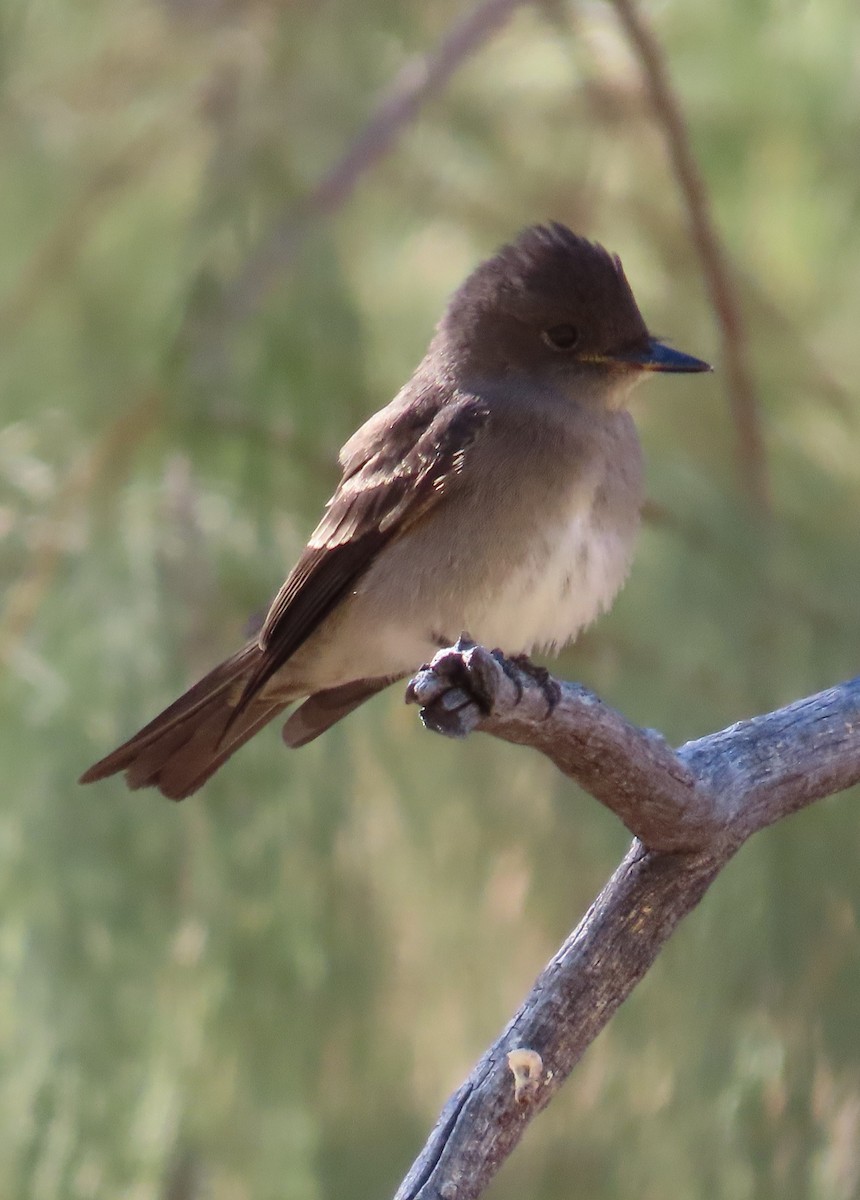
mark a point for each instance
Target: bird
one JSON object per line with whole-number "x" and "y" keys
{"x": 499, "y": 492}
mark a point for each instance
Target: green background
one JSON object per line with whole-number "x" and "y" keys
{"x": 270, "y": 990}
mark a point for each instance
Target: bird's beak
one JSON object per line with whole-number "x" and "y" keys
{"x": 656, "y": 356}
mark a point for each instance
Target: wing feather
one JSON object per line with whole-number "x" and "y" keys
{"x": 393, "y": 477}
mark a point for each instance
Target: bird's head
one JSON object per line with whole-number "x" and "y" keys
{"x": 555, "y": 308}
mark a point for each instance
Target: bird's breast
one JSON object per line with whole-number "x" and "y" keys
{"x": 573, "y": 572}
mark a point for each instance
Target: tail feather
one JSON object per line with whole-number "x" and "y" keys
{"x": 187, "y": 743}
{"x": 179, "y": 750}
{"x": 321, "y": 710}
{"x": 180, "y": 766}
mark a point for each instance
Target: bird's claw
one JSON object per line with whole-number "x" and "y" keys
{"x": 547, "y": 684}
{"x": 453, "y": 690}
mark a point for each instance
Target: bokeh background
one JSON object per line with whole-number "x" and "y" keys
{"x": 270, "y": 990}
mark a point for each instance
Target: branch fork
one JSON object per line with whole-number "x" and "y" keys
{"x": 689, "y": 810}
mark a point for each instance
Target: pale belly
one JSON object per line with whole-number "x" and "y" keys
{"x": 533, "y": 588}
{"x": 571, "y": 577}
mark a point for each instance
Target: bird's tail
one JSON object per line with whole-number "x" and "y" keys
{"x": 179, "y": 750}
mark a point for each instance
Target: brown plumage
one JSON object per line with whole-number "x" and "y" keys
{"x": 499, "y": 492}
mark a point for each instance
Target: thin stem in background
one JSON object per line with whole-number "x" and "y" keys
{"x": 418, "y": 81}
{"x": 752, "y": 459}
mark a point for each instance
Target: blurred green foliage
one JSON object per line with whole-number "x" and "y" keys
{"x": 268, "y": 991}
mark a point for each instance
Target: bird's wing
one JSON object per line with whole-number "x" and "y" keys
{"x": 395, "y": 472}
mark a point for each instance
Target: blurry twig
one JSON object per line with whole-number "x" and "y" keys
{"x": 715, "y": 266}
{"x": 106, "y": 457}
{"x": 53, "y": 259}
{"x": 704, "y": 538}
{"x": 279, "y": 435}
{"x": 416, "y": 82}
{"x": 819, "y": 378}
{"x": 797, "y": 353}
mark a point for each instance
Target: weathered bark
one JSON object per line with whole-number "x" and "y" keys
{"x": 689, "y": 809}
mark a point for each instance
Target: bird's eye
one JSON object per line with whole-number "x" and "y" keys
{"x": 561, "y": 337}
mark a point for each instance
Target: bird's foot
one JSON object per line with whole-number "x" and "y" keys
{"x": 541, "y": 676}
{"x": 455, "y": 690}
{"x": 465, "y": 684}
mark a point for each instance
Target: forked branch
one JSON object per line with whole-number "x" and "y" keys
{"x": 690, "y": 810}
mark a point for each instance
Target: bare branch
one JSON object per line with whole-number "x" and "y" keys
{"x": 691, "y": 810}
{"x": 417, "y": 82}
{"x": 764, "y": 769}
{"x": 723, "y": 787}
{"x": 715, "y": 265}
{"x": 631, "y": 771}
{"x": 571, "y": 1001}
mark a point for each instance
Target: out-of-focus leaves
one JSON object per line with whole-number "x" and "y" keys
{"x": 269, "y": 990}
